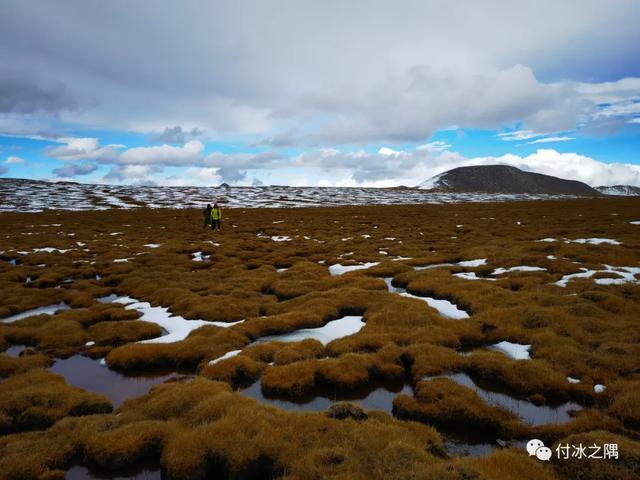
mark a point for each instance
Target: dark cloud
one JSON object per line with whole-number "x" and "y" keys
{"x": 321, "y": 72}
{"x": 176, "y": 135}
{"x": 74, "y": 169}
{"x": 232, "y": 175}
{"x": 19, "y": 93}
{"x": 132, "y": 174}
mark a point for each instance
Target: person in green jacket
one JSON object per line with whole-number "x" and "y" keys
{"x": 216, "y": 217}
{"x": 207, "y": 216}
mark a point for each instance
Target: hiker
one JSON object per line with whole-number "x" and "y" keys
{"x": 207, "y": 216}
{"x": 216, "y": 217}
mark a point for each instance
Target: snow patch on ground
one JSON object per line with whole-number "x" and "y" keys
{"x": 333, "y": 330}
{"x": 520, "y": 268}
{"x": 444, "y": 307}
{"x": 517, "y": 351}
{"x": 177, "y": 327}
{"x": 339, "y": 269}
{"x": 230, "y": 354}
{"x": 625, "y": 275}
{"x": 200, "y": 257}
{"x": 473, "y": 263}
{"x": 52, "y": 250}
{"x": 281, "y": 238}
{"x": 435, "y": 265}
{"x": 599, "y": 388}
{"x": 594, "y": 241}
{"x": 472, "y": 276}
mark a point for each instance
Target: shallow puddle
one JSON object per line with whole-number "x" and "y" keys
{"x": 82, "y": 473}
{"x": 435, "y": 265}
{"x": 497, "y": 395}
{"x": 90, "y": 375}
{"x": 463, "y": 448}
{"x": 48, "y": 310}
{"x": 376, "y": 396}
{"x": 15, "y": 350}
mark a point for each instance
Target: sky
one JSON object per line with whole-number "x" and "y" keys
{"x": 332, "y": 93}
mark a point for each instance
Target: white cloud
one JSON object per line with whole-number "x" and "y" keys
{"x": 14, "y": 160}
{"x": 130, "y": 174}
{"x": 410, "y": 167}
{"x": 188, "y": 154}
{"x": 610, "y": 92}
{"x": 385, "y": 151}
{"x": 518, "y": 135}
{"x": 570, "y": 166}
{"x": 530, "y": 135}
{"x": 384, "y": 168}
{"x": 438, "y": 146}
{"x": 75, "y": 148}
{"x": 203, "y": 176}
{"x": 550, "y": 140}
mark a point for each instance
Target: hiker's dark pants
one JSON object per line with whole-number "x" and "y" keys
{"x": 207, "y": 222}
{"x": 215, "y": 224}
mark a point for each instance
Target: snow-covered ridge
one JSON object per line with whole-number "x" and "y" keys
{"x": 621, "y": 190}
{"x": 34, "y": 196}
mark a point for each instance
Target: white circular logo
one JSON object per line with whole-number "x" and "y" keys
{"x": 533, "y": 445}
{"x": 543, "y": 453}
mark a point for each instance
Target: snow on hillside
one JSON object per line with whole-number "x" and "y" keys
{"x": 33, "y": 196}
{"x": 624, "y": 190}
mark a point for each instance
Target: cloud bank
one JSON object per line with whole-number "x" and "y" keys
{"x": 383, "y": 168}
{"x": 316, "y": 73}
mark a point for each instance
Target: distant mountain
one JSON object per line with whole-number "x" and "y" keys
{"x": 623, "y": 190}
{"x": 504, "y": 179}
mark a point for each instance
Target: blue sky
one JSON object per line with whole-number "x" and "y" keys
{"x": 317, "y": 93}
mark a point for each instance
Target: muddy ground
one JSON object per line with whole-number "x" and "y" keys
{"x": 237, "y": 405}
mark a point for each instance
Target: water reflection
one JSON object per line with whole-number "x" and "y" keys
{"x": 376, "y": 396}
{"x": 500, "y": 396}
{"x": 90, "y": 375}
{"x": 15, "y": 350}
{"x": 82, "y": 473}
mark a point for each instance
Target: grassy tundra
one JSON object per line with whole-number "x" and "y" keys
{"x": 269, "y": 270}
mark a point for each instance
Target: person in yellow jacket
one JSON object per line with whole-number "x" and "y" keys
{"x": 216, "y": 217}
